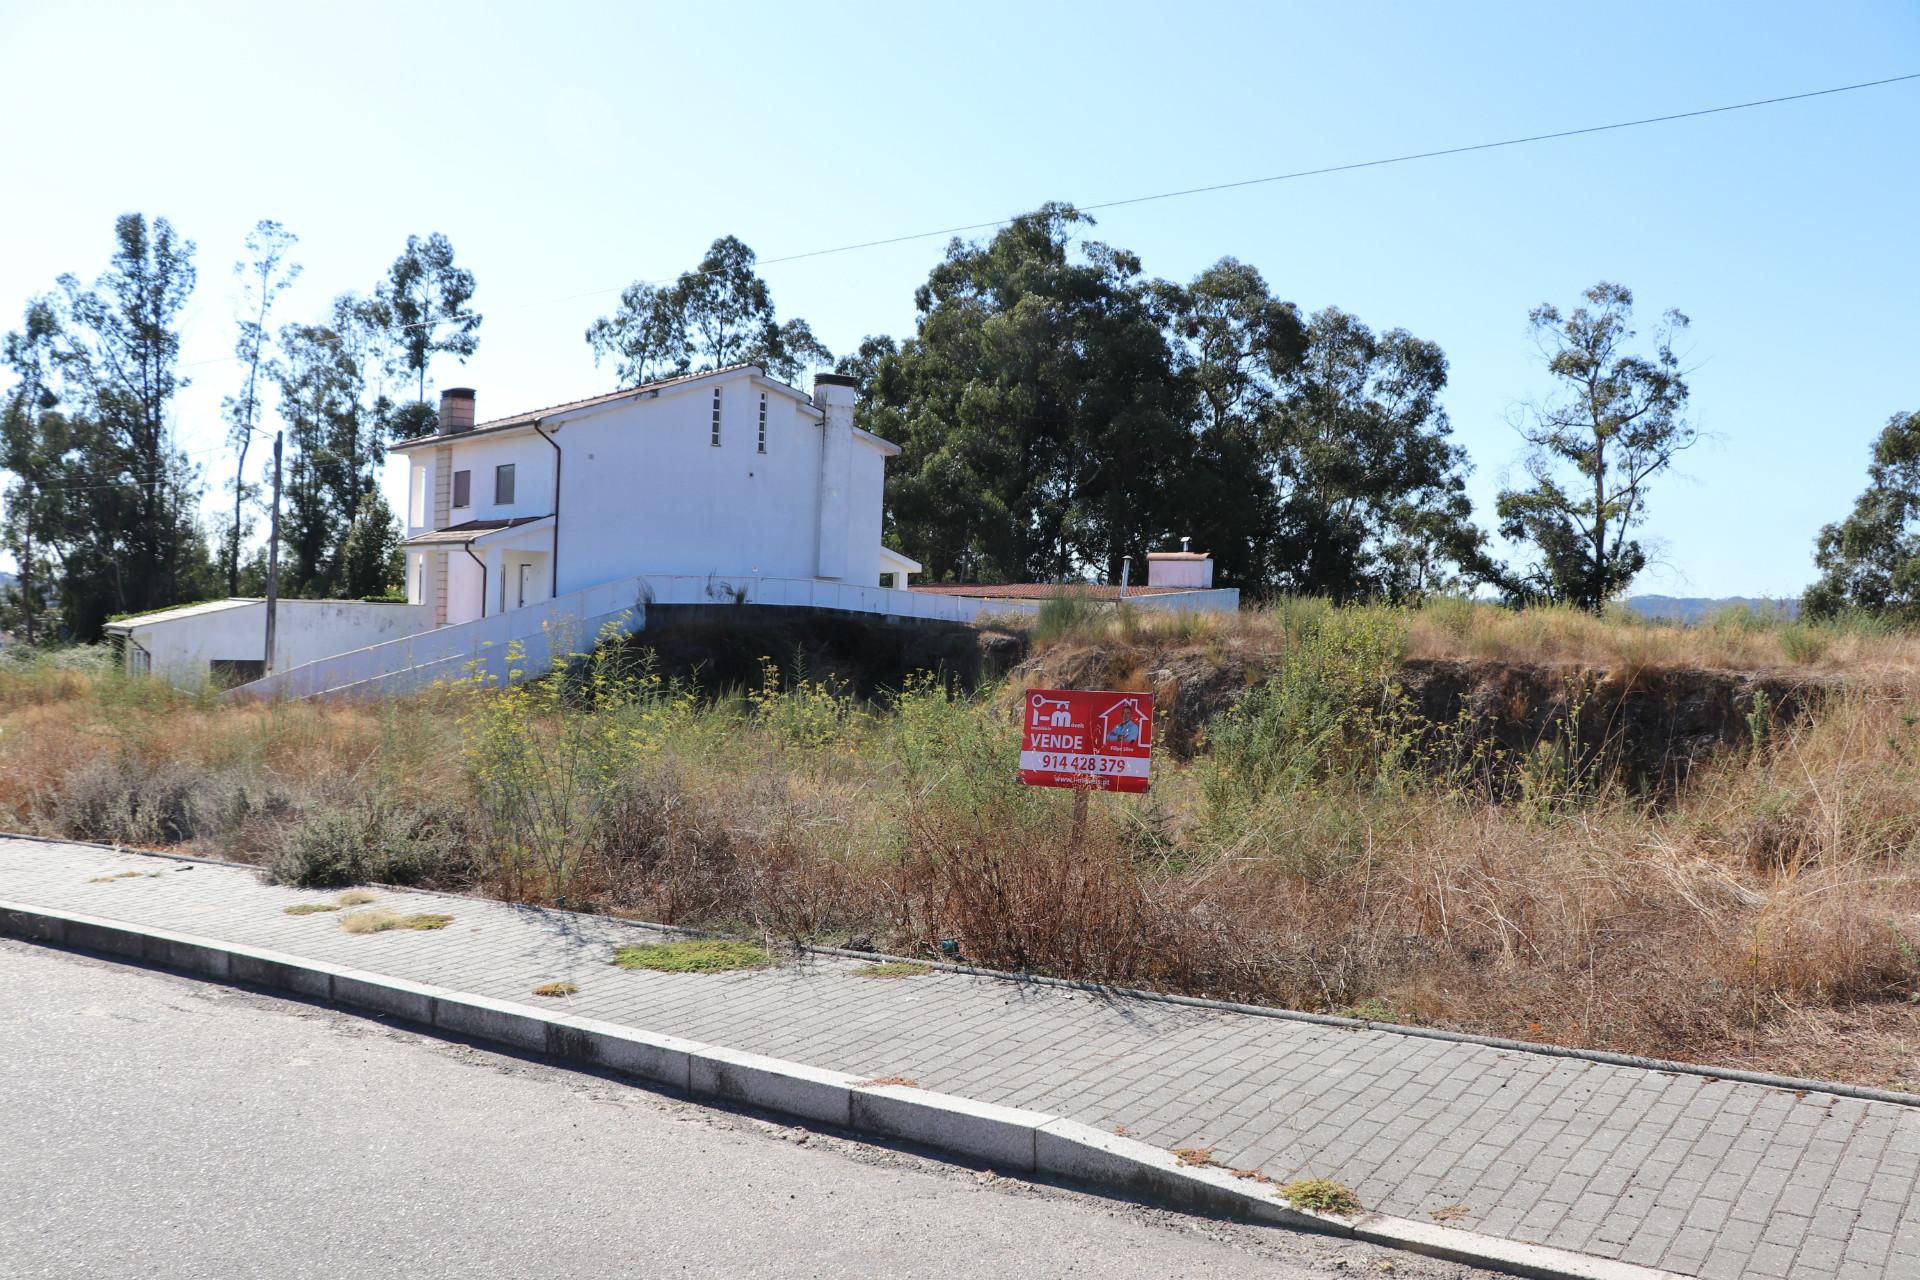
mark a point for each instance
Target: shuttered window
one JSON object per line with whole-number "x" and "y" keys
{"x": 716, "y": 417}
{"x": 763, "y": 422}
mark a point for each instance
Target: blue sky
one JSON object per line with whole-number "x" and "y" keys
{"x": 570, "y": 149}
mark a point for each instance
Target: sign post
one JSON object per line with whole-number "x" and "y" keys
{"x": 1086, "y": 740}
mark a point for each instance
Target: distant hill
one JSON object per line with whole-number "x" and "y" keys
{"x": 1688, "y": 610}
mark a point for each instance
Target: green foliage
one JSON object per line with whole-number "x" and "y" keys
{"x": 710, "y": 955}
{"x": 86, "y": 432}
{"x": 422, "y": 305}
{"x": 808, "y": 717}
{"x": 545, "y": 758}
{"x": 1870, "y": 561}
{"x": 1595, "y": 451}
{"x": 370, "y": 553}
{"x": 718, "y": 314}
{"x": 1061, "y": 614}
{"x": 1320, "y": 1195}
{"x": 374, "y": 839}
{"x": 1322, "y": 714}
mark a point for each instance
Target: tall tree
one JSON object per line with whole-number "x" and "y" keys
{"x": 1373, "y": 489}
{"x": 1235, "y": 345}
{"x": 423, "y": 303}
{"x": 33, "y": 441}
{"x": 718, "y": 314}
{"x": 264, "y": 275}
{"x": 1043, "y": 426}
{"x": 1871, "y": 560}
{"x": 1594, "y": 449}
{"x": 319, "y": 405}
{"x": 139, "y": 544}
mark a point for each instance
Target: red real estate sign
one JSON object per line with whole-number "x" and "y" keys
{"x": 1091, "y": 741}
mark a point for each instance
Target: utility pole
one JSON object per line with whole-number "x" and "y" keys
{"x": 26, "y": 569}
{"x": 273, "y": 554}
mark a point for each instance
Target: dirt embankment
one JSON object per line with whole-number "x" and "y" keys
{"x": 1651, "y": 722}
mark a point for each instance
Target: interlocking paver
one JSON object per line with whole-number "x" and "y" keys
{"x": 1696, "y": 1175}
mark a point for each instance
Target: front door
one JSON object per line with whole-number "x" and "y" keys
{"x": 526, "y": 585}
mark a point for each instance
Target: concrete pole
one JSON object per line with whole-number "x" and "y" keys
{"x": 273, "y": 553}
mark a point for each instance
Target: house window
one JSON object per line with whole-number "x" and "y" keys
{"x": 716, "y": 417}
{"x": 463, "y": 488}
{"x": 763, "y": 422}
{"x": 503, "y": 484}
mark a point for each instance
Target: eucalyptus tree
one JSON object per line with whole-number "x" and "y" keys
{"x": 264, "y": 275}
{"x": 119, "y": 361}
{"x": 423, "y": 303}
{"x": 1871, "y": 560}
{"x": 717, "y": 314}
{"x": 1617, "y": 421}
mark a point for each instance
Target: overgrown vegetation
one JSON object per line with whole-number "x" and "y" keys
{"x": 1324, "y": 847}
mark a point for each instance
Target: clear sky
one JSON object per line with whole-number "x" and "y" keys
{"x": 570, "y": 148}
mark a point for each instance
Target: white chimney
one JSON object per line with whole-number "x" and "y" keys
{"x": 456, "y": 410}
{"x": 835, "y": 394}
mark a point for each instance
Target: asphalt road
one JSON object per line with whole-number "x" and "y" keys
{"x": 157, "y": 1126}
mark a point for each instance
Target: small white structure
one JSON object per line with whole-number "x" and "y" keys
{"x": 1191, "y": 570}
{"x": 224, "y": 641}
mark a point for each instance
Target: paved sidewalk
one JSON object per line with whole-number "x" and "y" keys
{"x": 1686, "y": 1173}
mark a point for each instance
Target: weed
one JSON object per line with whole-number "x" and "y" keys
{"x": 310, "y": 908}
{"x": 556, "y": 989}
{"x": 1320, "y": 1195}
{"x": 356, "y": 897}
{"x": 1196, "y": 1157}
{"x": 379, "y": 920}
{"x": 1449, "y": 1213}
{"x": 709, "y": 955}
{"x": 891, "y": 969}
{"x": 903, "y": 1082}
{"x": 114, "y": 875}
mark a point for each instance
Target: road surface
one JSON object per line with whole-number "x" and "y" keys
{"x": 162, "y": 1127}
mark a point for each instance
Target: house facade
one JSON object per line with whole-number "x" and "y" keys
{"x": 723, "y": 473}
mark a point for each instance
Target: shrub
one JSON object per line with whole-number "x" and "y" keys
{"x": 373, "y": 839}
{"x": 120, "y": 798}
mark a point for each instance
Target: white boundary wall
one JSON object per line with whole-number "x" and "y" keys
{"x": 570, "y": 623}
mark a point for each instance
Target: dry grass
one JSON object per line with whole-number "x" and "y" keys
{"x": 310, "y": 908}
{"x": 356, "y": 897}
{"x": 556, "y": 989}
{"x": 379, "y": 920}
{"x": 891, "y": 969}
{"x": 1765, "y": 914}
{"x": 1734, "y": 639}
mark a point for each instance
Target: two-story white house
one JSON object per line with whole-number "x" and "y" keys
{"x": 723, "y": 473}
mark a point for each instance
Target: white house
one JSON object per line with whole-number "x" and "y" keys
{"x": 529, "y": 533}
{"x": 720, "y": 474}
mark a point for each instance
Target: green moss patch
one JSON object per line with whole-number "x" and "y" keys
{"x": 708, "y": 955}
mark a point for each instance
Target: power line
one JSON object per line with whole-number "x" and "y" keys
{"x": 1237, "y": 184}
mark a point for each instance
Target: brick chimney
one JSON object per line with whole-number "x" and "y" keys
{"x": 456, "y": 410}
